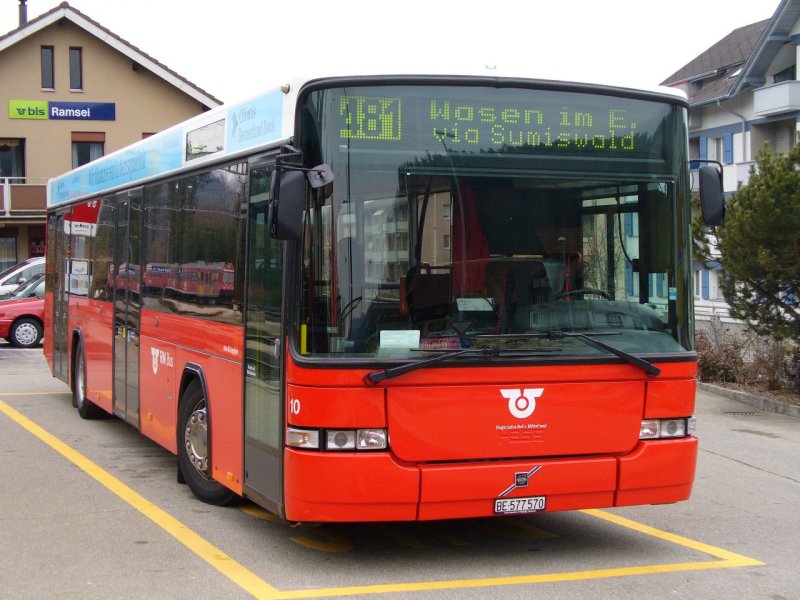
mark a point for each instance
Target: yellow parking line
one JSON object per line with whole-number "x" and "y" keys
{"x": 730, "y": 558}
{"x": 17, "y": 394}
{"x": 241, "y": 576}
{"x": 453, "y": 584}
{"x": 256, "y": 586}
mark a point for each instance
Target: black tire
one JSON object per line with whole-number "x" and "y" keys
{"x": 193, "y": 448}
{"x": 86, "y": 408}
{"x": 25, "y": 333}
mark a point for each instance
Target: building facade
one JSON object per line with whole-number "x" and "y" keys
{"x": 72, "y": 91}
{"x": 744, "y": 93}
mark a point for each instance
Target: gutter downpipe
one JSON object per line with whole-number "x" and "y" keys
{"x": 744, "y": 127}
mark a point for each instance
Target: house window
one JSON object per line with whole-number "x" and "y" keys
{"x": 48, "y": 68}
{"x": 716, "y": 148}
{"x": 8, "y": 247}
{"x": 76, "y": 68}
{"x": 446, "y": 241}
{"x": 12, "y": 157}
{"x": 785, "y": 75}
{"x": 720, "y": 148}
{"x": 36, "y": 240}
{"x": 87, "y": 146}
{"x": 715, "y": 291}
{"x": 85, "y": 152}
{"x": 701, "y": 284}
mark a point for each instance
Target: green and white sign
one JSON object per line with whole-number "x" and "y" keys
{"x": 27, "y": 109}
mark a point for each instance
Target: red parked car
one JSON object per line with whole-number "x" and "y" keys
{"x": 22, "y": 316}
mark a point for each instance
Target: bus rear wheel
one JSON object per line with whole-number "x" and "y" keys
{"x": 193, "y": 448}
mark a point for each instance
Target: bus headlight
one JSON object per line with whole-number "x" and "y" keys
{"x": 657, "y": 429}
{"x": 337, "y": 439}
{"x": 340, "y": 440}
{"x": 358, "y": 439}
{"x": 672, "y": 428}
{"x": 371, "y": 439}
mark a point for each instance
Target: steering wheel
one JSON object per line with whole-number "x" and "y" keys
{"x": 582, "y": 291}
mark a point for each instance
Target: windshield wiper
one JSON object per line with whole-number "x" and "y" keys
{"x": 489, "y": 351}
{"x": 557, "y": 334}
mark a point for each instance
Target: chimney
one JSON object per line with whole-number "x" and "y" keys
{"x": 23, "y": 12}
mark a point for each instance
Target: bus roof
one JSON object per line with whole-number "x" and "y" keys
{"x": 245, "y": 127}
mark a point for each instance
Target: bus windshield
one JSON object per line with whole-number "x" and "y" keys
{"x": 470, "y": 216}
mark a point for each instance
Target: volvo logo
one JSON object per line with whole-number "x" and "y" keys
{"x": 520, "y": 480}
{"x": 522, "y": 403}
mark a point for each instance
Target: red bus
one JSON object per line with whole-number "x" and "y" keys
{"x": 393, "y": 298}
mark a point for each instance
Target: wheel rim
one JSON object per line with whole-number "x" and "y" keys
{"x": 26, "y": 334}
{"x": 196, "y": 439}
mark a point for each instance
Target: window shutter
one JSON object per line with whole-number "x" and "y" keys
{"x": 727, "y": 148}
{"x": 628, "y": 279}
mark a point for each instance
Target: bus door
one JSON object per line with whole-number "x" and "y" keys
{"x": 127, "y": 307}
{"x": 60, "y": 241}
{"x": 263, "y": 408}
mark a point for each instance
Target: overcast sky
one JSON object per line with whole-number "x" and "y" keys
{"x": 234, "y": 49}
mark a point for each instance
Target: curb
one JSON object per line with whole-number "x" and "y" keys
{"x": 765, "y": 404}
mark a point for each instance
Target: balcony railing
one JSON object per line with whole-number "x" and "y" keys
{"x": 736, "y": 174}
{"x": 776, "y": 99}
{"x": 22, "y": 197}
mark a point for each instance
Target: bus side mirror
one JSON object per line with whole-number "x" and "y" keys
{"x": 289, "y": 198}
{"x": 712, "y": 199}
{"x": 287, "y": 205}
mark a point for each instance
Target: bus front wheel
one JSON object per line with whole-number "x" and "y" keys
{"x": 193, "y": 448}
{"x": 86, "y": 408}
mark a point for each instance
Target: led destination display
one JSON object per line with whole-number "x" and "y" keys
{"x": 467, "y": 119}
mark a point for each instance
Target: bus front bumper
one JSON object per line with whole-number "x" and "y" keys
{"x": 331, "y": 487}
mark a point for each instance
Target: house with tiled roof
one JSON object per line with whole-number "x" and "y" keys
{"x": 743, "y": 93}
{"x": 72, "y": 90}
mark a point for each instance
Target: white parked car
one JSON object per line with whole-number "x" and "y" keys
{"x": 20, "y": 273}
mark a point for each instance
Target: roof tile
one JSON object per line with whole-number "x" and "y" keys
{"x": 732, "y": 50}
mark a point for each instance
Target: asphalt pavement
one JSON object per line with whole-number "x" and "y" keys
{"x": 92, "y": 510}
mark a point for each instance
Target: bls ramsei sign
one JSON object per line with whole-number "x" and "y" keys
{"x": 74, "y": 111}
